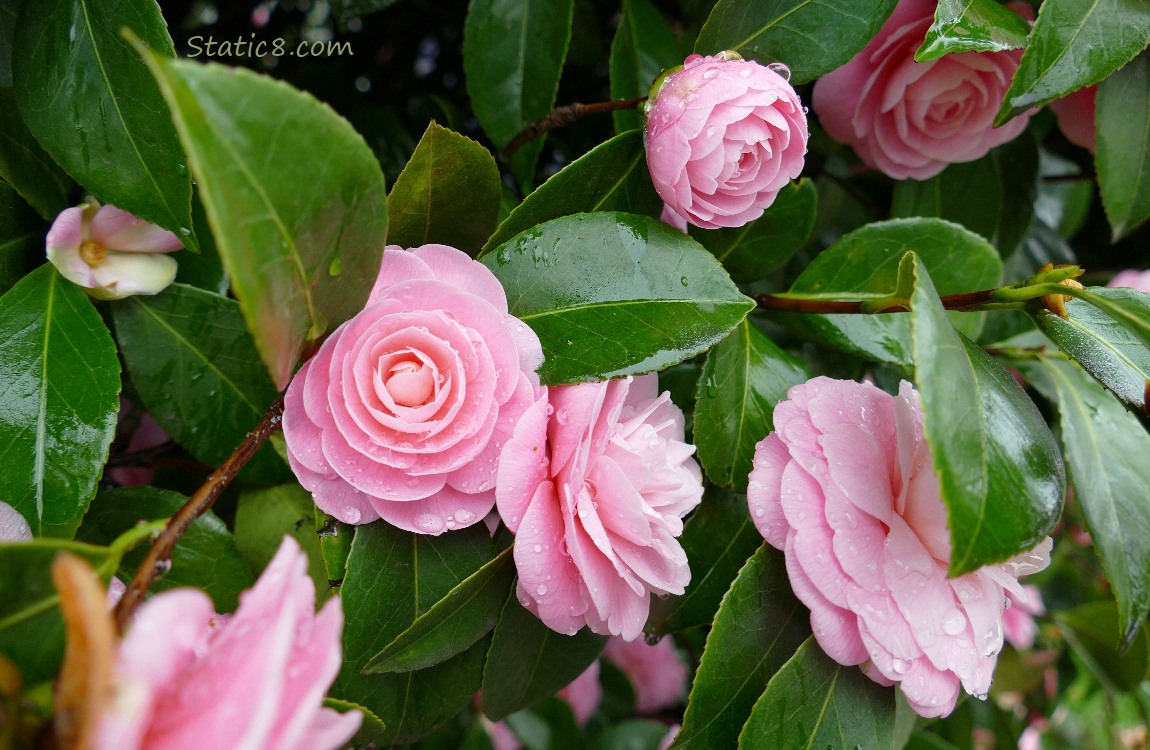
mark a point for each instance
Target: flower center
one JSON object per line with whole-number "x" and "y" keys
{"x": 409, "y": 383}
{"x": 93, "y": 253}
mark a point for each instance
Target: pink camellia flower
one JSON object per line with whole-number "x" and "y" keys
{"x": 13, "y": 526}
{"x": 1075, "y": 115}
{"x": 111, "y": 253}
{"x": 724, "y": 136}
{"x": 1018, "y": 625}
{"x": 1136, "y": 280}
{"x": 911, "y": 119}
{"x": 656, "y": 672}
{"x": 847, "y": 488}
{"x": 595, "y": 496}
{"x": 403, "y": 412}
{"x": 187, "y": 679}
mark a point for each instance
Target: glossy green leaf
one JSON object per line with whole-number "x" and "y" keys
{"x": 612, "y": 294}
{"x": 61, "y": 381}
{"x": 21, "y": 237}
{"x": 642, "y": 48}
{"x": 529, "y": 661}
{"x": 864, "y": 264}
{"x": 393, "y": 577}
{"x": 93, "y": 106}
{"x": 1075, "y": 43}
{"x": 334, "y": 544}
{"x": 1123, "y": 147}
{"x": 1093, "y": 632}
{"x": 205, "y": 557}
{"x": 1107, "y": 349}
{"x": 811, "y": 38}
{"x": 1106, "y": 450}
{"x": 1001, "y": 474}
{"x": 612, "y": 176}
{"x": 301, "y": 261}
{"x": 468, "y": 612}
{"x": 513, "y": 55}
{"x": 764, "y": 245}
{"x": 744, "y": 376}
{"x": 813, "y": 702}
{"x": 1127, "y": 307}
{"x": 371, "y": 727}
{"x": 197, "y": 371}
{"x": 718, "y": 538}
{"x": 447, "y": 194}
{"x": 26, "y": 165}
{"x": 993, "y": 196}
{"x": 758, "y": 628}
{"x": 31, "y": 630}
{"x": 265, "y": 516}
{"x": 972, "y": 26}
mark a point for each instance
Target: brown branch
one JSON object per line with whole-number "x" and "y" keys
{"x": 964, "y": 301}
{"x": 161, "y": 551}
{"x": 561, "y": 116}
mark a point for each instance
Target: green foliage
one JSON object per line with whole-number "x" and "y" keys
{"x": 21, "y": 233}
{"x": 1092, "y": 629}
{"x": 643, "y": 47}
{"x": 972, "y": 26}
{"x": 265, "y": 516}
{"x": 1123, "y": 162}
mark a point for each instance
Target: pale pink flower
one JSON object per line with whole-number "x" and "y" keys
{"x": 187, "y": 679}
{"x": 847, "y": 488}
{"x": 1075, "y": 115}
{"x": 403, "y": 412}
{"x": 911, "y": 119}
{"x": 1136, "y": 280}
{"x": 1031, "y": 737}
{"x": 656, "y": 672}
{"x": 724, "y": 136}
{"x": 1018, "y": 625}
{"x": 13, "y": 526}
{"x": 111, "y": 253}
{"x": 595, "y": 496}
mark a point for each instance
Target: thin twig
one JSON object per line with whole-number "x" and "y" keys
{"x": 196, "y": 506}
{"x": 561, "y": 116}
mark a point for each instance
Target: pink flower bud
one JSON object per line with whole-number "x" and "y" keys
{"x": 1075, "y": 115}
{"x": 111, "y": 253}
{"x": 846, "y": 487}
{"x": 724, "y": 136}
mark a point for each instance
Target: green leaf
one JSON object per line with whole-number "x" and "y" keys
{"x": 264, "y": 517}
{"x": 1106, "y": 348}
{"x": 447, "y": 194}
{"x": 811, "y": 38}
{"x": 643, "y": 47}
{"x": 194, "y": 365}
{"x": 1123, "y": 149}
{"x": 31, "y": 629}
{"x": 1075, "y": 43}
{"x": 718, "y": 538}
{"x": 972, "y": 26}
{"x": 371, "y": 727}
{"x": 865, "y": 264}
{"x": 392, "y": 578}
{"x": 1127, "y": 307}
{"x": 25, "y": 164}
{"x": 1106, "y": 449}
{"x": 21, "y": 237}
{"x": 334, "y": 544}
{"x": 468, "y": 612}
{"x": 549, "y": 725}
{"x": 205, "y": 557}
{"x": 1093, "y": 632}
{"x": 91, "y": 103}
{"x": 513, "y": 54}
{"x": 759, "y": 626}
{"x": 612, "y": 294}
{"x": 633, "y": 734}
{"x": 744, "y": 377}
{"x": 61, "y": 381}
{"x": 993, "y": 196}
{"x": 529, "y": 661}
{"x": 301, "y": 261}
{"x": 612, "y": 176}
{"x": 764, "y": 245}
{"x": 1000, "y": 472}
{"x": 813, "y": 702}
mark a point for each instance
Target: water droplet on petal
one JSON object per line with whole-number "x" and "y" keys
{"x": 541, "y": 590}
{"x": 351, "y": 514}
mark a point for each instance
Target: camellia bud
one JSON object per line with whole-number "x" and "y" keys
{"x": 111, "y": 253}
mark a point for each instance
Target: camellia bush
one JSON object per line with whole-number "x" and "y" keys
{"x": 574, "y": 374}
